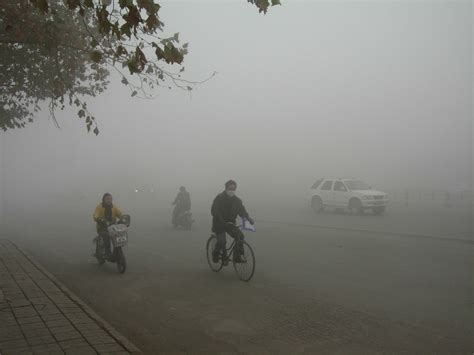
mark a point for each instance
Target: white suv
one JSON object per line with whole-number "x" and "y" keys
{"x": 348, "y": 193}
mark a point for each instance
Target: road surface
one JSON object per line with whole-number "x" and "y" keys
{"x": 329, "y": 290}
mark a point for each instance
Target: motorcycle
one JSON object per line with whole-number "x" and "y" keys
{"x": 184, "y": 220}
{"x": 118, "y": 234}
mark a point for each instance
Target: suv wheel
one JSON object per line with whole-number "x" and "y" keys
{"x": 317, "y": 204}
{"x": 355, "y": 206}
{"x": 379, "y": 210}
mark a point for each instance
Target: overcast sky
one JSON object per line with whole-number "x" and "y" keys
{"x": 380, "y": 91}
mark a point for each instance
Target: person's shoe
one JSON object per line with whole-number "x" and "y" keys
{"x": 215, "y": 258}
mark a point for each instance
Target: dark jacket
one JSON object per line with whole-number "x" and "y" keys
{"x": 183, "y": 201}
{"x": 226, "y": 209}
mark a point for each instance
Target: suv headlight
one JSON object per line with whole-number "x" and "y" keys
{"x": 366, "y": 198}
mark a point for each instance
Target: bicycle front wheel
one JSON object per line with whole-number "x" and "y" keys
{"x": 244, "y": 265}
{"x": 210, "y": 246}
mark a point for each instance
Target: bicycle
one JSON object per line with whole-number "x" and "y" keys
{"x": 244, "y": 268}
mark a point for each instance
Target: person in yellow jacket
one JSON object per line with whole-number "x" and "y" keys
{"x": 106, "y": 212}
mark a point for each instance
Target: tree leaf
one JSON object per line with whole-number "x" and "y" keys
{"x": 261, "y": 4}
{"x": 152, "y": 22}
{"x": 133, "y": 17}
{"x": 160, "y": 54}
{"x": 81, "y": 113}
{"x": 96, "y": 56}
{"x": 173, "y": 55}
{"x": 73, "y": 4}
{"x": 126, "y": 29}
{"x": 134, "y": 93}
{"x": 42, "y": 5}
{"x": 140, "y": 59}
{"x": 125, "y": 3}
{"x": 120, "y": 51}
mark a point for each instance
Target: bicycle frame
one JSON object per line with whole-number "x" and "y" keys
{"x": 229, "y": 251}
{"x": 231, "y": 248}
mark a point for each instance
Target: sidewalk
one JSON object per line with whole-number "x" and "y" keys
{"x": 38, "y": 315}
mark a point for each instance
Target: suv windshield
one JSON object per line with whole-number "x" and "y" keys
{"x": 356, "y": 185}
{"x": 316, "y": 184}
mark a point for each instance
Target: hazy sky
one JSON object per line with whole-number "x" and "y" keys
{"x": 376, "y": 90}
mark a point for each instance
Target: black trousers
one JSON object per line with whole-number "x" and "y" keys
{"x": 234, "y": 232}
{"x": 106, "y": 239}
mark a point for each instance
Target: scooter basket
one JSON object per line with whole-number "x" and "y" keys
{"x": 118, "y": 234}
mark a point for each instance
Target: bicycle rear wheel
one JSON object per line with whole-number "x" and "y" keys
{"x": 210, "y": 246}
{"x": 245, "y": 267}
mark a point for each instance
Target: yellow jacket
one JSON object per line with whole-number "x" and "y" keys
{"x": 100, "y": 212}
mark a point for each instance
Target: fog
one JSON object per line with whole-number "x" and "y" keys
{"x": 378, "y": 91}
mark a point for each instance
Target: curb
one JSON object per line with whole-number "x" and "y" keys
{"x": 129, "y": 346}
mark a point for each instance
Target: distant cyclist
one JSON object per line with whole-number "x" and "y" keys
{"x": 182, "y": 203}
{"x": 225, "y": 209}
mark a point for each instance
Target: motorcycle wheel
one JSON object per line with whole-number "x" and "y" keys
{"x": 121, "y": 262}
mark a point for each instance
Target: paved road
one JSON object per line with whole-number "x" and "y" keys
{"x": 315, "y": 289}
{"x": 414, "y": 219}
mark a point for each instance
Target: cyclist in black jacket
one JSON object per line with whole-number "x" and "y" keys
{"x": 225, "y": 209}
